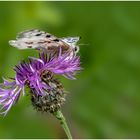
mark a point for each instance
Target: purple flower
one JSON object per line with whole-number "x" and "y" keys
{"x": 35, "y": 74}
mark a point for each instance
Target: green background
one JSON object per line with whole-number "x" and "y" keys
{"x": 104, "y": 101}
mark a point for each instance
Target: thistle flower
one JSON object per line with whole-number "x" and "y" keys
{"x": 47, "y": 93}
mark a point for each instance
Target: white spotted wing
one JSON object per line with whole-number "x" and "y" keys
{"x": 42, "y": 40}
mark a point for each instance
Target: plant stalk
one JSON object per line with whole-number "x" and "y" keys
{"x": 58, "y": 114}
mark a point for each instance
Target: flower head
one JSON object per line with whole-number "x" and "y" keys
{"x": 38, "y": 75}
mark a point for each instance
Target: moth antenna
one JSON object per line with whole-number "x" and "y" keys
{"x": 83, "y": 44}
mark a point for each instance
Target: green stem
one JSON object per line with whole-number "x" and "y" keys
{"x": 58, "y": 114}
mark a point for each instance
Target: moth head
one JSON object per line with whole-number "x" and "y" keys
{"x": 76, "y": 49}
{"x": 72, "y": 42}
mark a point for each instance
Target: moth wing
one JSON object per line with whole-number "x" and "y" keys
{"x": 72, "y": 41}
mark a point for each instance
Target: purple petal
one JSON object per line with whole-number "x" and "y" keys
{"x": 9, "y": 94}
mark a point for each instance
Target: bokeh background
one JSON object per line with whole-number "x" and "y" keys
{"x": 104, "y": 101}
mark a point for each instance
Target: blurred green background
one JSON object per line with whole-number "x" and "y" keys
{"x": 104, "y": 101}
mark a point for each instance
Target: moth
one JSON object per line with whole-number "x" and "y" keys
{"x": 41, "y": 40}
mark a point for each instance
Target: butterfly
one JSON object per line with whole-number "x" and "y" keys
{"x": 41, "y": 40}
